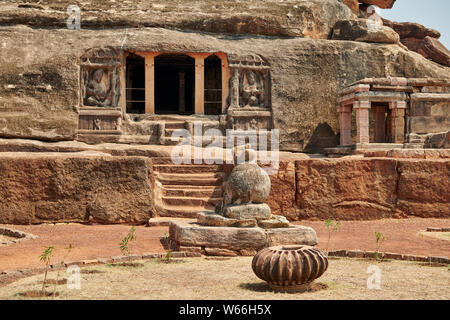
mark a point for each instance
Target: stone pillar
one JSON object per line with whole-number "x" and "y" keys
{"x": 234, "y": 94}
{"x": 397, "y": 121}
{"x": 379, "y": 121}
{"x": 150, "y": 84}
{"x": 199, "y": 84}
{"x": 181, "y": 92}
{"x": 345, "y": 124}
{"x": 225, "y": 81}
{"x": 362, "y": 121}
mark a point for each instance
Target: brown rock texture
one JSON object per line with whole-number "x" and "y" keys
{"x": 281, "y": 198}
{"x": 433, "y": 49}
{"x": 39, "y": 67}
{"x": 359, "y": 30}
{"x": 421, "y": 39}
{"x": 66, "y": 187}
{"x": 364, "y": 189}
{"x": 353, "y": 5}
{"x": 312, "y": 18}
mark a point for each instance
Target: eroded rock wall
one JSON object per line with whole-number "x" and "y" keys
{"x": 364, "y": 189}
{"x": 39, "y": 188}
{"x": 39, "y": 77}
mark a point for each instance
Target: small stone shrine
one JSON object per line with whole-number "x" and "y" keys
{"x": 242, "y": 223}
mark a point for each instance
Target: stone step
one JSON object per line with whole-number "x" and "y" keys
{"x": 413, "y": 146}
{"x": 168, "y": 160}
{"x": 186, "y": 168}
{"x": 181, "y": 212}
{"x": 172, "y": 125}
{"x": 190, "y": 201}
{"x": 208, "y": 192}
{"x": 188, "y": 179}
{"x": 168, "y": 132}
{"x": 422, "y": 141}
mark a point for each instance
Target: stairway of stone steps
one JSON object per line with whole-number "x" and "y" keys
{"x": 185, "y": 189}
{"x": 415, "y": 141}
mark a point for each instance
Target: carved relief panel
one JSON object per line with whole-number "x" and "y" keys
{"x": 249, "y": 105}
{"x": 99, "y": 115}
{"x": 100, "y": 78}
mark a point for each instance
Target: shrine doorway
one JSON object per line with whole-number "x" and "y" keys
{"x": 213, "y": 85}
{"x": 174, "y": 84}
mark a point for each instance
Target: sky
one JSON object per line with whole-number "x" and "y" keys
{"x": 433, "y": 14}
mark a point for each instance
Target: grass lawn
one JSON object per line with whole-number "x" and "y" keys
{"x": 233, "y": 278}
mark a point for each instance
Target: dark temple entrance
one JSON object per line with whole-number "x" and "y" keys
{"x": 174, "y": 84}
{"x": 135, "y": 86}
{"x": 213, "y": 85}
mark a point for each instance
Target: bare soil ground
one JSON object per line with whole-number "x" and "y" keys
{"x": 89, "y": 242}
{"x": 402, "y": 236}
{"x": 94, "y": 241}
{"x": 233, "y": 278}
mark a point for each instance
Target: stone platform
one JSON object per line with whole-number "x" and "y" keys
{"x": 209, "y": 240}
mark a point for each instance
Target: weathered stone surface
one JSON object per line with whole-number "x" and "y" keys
{"x": 281, "y": 199}
{"x": 346, "y": 189}
{"x": 383, "y": 4}
{"x": 209, "y": 218}
{"x": 408, "y": 30}
{"x": 192, "y": 234}
{"x": 74, "y": 187}
{"x": 247, "y": 183}
{"x": 312, "y": 18}
{"x": 220, "y": 252}
{"x": 433, "y": 49}
{"x": 258, "y": 211}
{"x": 353, "y": 5}
{"x": 297, "y": 89}
{"x": 424, "y": 188}
{"x": 292, "y": 235}
{"x": 438, "y": 141}
{"x": 274, "y": 222}
{"x": 422, "y": 40}
{"x": 361, "y": 189}
{"x": 359, "y": 30}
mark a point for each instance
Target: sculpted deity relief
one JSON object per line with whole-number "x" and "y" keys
{"x": 102, "y": 88}
{"x": 251, "y": 89}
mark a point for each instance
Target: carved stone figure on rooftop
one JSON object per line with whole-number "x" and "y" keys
{"x": 252, "y": 92}
{"x": 96, "y": 94}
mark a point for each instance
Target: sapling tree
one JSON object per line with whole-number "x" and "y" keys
{"x": 45, "y": 257}
{"x": 332, "y": 226}
{"x": 68, "y": 250}
{"x": 125, "y": 244}
{"x": 379, "y": 240}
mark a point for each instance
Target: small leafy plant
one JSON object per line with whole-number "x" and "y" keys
{"x": 332, "y": 226}
{"x": 380, "y": 238}
{"x": 68, "y": 249}
{"x": 45, "y": 257}
{"x": 168, "y": 245}
{"x": 125, "y": 244}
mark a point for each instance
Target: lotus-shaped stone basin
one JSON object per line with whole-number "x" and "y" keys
{"x": 289, "y": 268}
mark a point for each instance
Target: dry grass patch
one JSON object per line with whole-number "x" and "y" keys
{"x": 437, "y": 235}
{"x": 201, "y": 278}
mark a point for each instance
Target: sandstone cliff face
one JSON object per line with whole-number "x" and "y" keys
{"x": 360, "y": 189}
{"x": 312, "y": 18}
{"x": 39, "y": 77}
{"x": 67, "y": 187}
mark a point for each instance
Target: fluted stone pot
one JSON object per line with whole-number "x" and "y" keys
{"x": 289, "y": 268}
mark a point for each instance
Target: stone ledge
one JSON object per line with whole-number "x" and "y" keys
{"x": 387, "y": 255}
{"x": 186, "y": 234}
